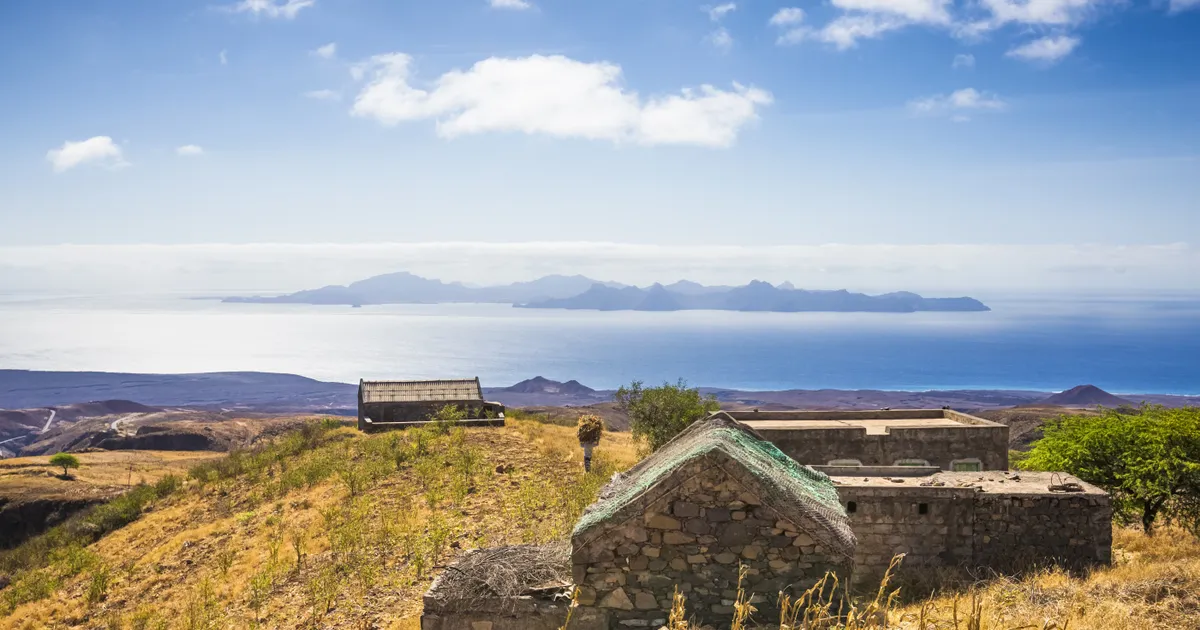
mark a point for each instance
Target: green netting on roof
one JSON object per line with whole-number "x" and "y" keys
{"x": 789, "y": 488}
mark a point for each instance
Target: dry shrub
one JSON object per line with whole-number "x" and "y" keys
{"x": 589, "y": 429}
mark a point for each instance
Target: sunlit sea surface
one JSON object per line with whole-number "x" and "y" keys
{"x": 1122, "y": 345}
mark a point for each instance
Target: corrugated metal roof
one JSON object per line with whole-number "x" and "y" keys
{"x": 420, "y": 391}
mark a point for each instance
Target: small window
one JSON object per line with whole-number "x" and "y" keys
{"x": 912, "y": 462}
{"x": 922, "y": 508}
{"x": 851, "y": 507}
{"x": 966, "y": 465}
{"x": 845, "y": 462}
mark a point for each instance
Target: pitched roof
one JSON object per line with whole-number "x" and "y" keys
{"x": 420, "y": 391}
{"x": 798, "y": 493}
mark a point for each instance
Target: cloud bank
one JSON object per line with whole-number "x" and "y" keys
{"x": 937, "y": 269}
{"x": 554, "y": 96}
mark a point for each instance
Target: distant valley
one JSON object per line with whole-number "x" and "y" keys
{"x": 582, "y": 293}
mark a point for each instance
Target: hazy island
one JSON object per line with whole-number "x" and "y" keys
{"x": 582, "y": 293}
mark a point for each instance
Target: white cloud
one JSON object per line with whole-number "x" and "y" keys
{"x": 863, "y": 19}
{"x": 1184, "y": 5}
{"x": 787, "y": 16}
{"x": 720, "y": 39}
{"x": 963, "y": 61}
{"x": 328, "y": 51}
{"x": 188, "y": 150}
{"x": 716, "y": 13}
{"x": 1043, "y": 12}
{"x": 958, "y": 104}
{"x": 915, "y": 11}
{"x": 845, "y": 31}
{"x": 324, "y": 95}
{"x": 286, "y": 9}
{"x": 224, "y": 59}
{"x": 1048, "y": 49}
{"x": 554, "y": 96}
{"x": 100, "y": 149}
{"x": 515, "y": 5}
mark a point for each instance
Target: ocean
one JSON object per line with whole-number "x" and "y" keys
{"x": 1121, "y": 345}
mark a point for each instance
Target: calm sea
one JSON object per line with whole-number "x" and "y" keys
{"x": 1119, "y": 345}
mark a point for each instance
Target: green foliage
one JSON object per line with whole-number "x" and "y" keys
{"x": 1149, "y": 461}
{"x": 657, "y": 414}
{"x": 66, "y": 460}
{"x": 98, "y": 583}
{"x": 446, "y": 418}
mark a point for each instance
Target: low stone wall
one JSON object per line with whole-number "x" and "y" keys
{"x": 694, "y": 538}
{"x": 1013, "y": 532}
{"x": 966, "y": 527}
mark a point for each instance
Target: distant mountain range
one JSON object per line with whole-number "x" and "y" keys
{"x": 580, "y": 292}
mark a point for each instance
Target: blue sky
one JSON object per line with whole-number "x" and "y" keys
{"x": 863, "y": 122}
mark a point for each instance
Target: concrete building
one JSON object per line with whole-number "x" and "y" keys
{"x": 941, "y": 438}
{"x": 399, "y": 404}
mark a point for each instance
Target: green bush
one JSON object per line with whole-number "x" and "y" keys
{"x": 657, "y": 414}
{"x": 1148, "y": 461}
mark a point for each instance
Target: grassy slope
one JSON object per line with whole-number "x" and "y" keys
{"x": 221, "y": 553}
{"x": 100, "y": 473}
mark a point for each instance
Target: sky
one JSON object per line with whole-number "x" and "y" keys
{"x": 861, "y": 143}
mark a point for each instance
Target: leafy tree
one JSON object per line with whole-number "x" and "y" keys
{"x": 657, "y": 414}
{"x": 1149, "y": 460}
{"x": 66, "y": 460}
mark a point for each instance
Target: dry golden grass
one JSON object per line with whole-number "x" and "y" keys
{"x": 102, "y": 472}
{"x": 223, "y": 554}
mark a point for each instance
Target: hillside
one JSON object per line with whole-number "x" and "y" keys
{"x": 332, "y": 529}
{"x": 34, "y": 496}
{"x": 373, "y": 519}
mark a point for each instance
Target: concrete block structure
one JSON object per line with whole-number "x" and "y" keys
{"x": 941, "y": 438}
{"x": 386, "y": 405}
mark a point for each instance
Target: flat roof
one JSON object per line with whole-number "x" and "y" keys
{"x": 991, "y": 481}
{"x": 879, "y": 422}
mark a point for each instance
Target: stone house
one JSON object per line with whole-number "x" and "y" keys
{"x": 716, "y": 497}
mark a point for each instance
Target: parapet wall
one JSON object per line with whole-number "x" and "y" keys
{"x": 940, "y": 446}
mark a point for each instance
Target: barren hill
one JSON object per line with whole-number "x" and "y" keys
{"x": 1085, "y": 396}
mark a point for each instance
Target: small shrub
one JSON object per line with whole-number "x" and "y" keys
{"x": 446, "y": 418}
{"x": 98, "y": 583}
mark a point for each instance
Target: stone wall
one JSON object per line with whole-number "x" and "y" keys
{"x": 694, "y": 537}
{"x": 965, "y": 527}
{"x": 938, "y": 445}
{"x": 933, "y": 526}
{"x": 1015, "y": 531}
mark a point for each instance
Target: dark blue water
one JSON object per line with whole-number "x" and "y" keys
{"x": 1143, "y": 346}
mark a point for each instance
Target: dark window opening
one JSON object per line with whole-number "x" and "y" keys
{"x": 851, "y": 507}
{"x": 922, "y": 508}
